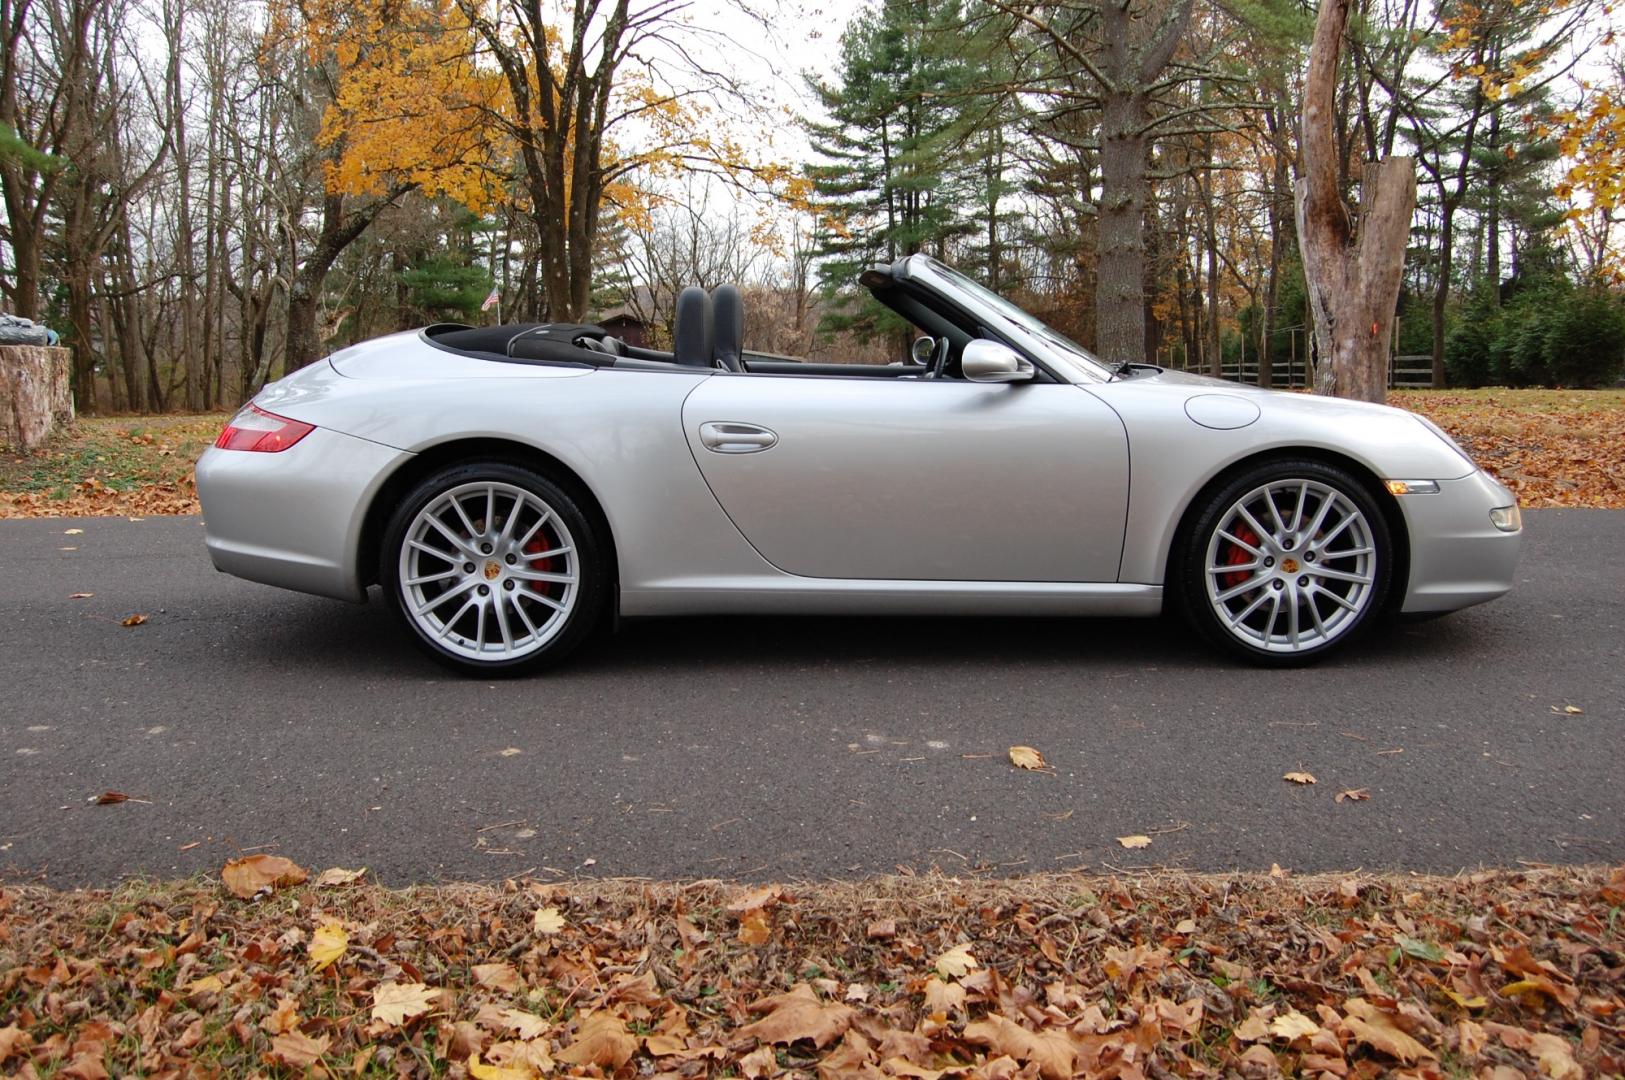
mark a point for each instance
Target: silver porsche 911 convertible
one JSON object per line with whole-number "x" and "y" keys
{"x": 513, "y": 489}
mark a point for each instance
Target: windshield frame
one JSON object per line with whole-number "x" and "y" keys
{"x": 1064, "y": 356}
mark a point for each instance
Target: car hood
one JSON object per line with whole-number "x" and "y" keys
{"x": 1392, "y": 441}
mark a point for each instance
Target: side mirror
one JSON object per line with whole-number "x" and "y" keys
{"x": 920, "y": 351}
{"x": 990, "y": 362}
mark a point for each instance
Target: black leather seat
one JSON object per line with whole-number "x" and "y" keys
{"x": 728, "y": 311}
{"x": 692, "y": 330}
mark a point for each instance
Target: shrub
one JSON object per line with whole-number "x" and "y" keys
{"x": 1557, "y": 334}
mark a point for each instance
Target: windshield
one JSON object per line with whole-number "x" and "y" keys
{"x": 1013, "y": 314}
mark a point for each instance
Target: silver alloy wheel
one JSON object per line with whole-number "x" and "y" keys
{"x": 1291, "y": 566}
{"x": 489, "y": 571}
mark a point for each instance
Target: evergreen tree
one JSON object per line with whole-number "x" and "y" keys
{"x": 446, "y": 288}
{"x": 896, "y": 177}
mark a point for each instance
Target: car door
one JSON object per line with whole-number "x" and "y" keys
{"x": 944, "y": 480}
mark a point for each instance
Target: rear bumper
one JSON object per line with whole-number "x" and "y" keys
{"x": 1458, "y": 558}
{"x": 293, "y": 519}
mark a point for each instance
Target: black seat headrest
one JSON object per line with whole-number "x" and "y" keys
{"x": 728, "y": 315}
{"x": 691, "y": 329}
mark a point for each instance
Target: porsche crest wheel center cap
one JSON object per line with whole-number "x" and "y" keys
{"x": 493, "y": 571}
{"x": 1288, "y": 566}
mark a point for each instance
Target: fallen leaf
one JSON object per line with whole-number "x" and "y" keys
{"x": 1025, "y": 757}
{"x": 134, "y": 620}
{"x": 504, "y": 1018}
{"x": 1569, "y": 710}
{"x": 208, "y": 984}
{"x": 80, "y": 595}
{"x": 1537, "y": 984}
{"x": 1555, "y": 1057}
{"x": 755, "y": 900}
{"x": 753, "y": 929}
{"x": 798, "y": 1015}
{"x": 512, "y": 751}
{"x": 602, "y": 1039}
{"x": 956, "y": 962}
{"x": 1052, "y": 1051}
{"x": 1477, "y": 1001}
{"x": 395, "y": 1003}
{"x": 1300, "y": 778}
{"x": 72, "y": 532}
{"x": 504, "y": 977}
{"x": 1354, "y": 795}
{"x": 664, "y": 1045}
{"x": 1136, "y": 841}
{"x": 1256, "y": 1026}
{"x": 13, "y": 1040}
{"x": 327, "y": 944}
{"x": 282, "y": 1019}
{"x": 1376, "y": 1029}
{"x": 481, "y": 1071}
{"x": 1420, "y": 950}
{"x": 1262, "y": 1059}
{"x": 881, "y": 929}
{"x": 855, "y": 1057}
{"x": 547, "y": 920}
{"x": 298, "y": 1051}
{"x": 247, "y": 876}
{"x": 857, "y": 992}
{"x": 1293, "y": 1025}
{"x": 758, "y": 1063}
{"x": 335, "y": 876}
{"x": 943, "y": 997}
{"x": 1278, "y": 873}
{"x": 109, "y": 798}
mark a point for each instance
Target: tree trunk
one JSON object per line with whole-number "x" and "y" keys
{"x": 1353, "y": 272}
{"x": 1492, "y": 212}
{"x": 1120, "y": 321}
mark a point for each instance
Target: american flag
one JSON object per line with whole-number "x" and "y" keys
{"x": 491, "y": 301}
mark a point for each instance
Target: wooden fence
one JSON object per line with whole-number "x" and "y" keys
{"x": 1404, "y": 372}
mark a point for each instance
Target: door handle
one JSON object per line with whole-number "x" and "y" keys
{"x": 726, "y": 437}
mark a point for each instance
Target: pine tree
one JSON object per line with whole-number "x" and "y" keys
{"x": 896, "y": 178}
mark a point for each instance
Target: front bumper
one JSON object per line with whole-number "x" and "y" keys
{"x": 293, "y": 519}
{"x": 1458, "y": 557}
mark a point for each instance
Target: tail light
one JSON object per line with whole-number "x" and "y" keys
{"x": 255, "y": 429}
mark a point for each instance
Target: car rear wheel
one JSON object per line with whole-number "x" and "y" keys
{"x": 1286, "y": 562}
{"x": 494, "y": 568}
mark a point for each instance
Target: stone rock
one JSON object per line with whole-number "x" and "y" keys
{"x": 35, "y": 395}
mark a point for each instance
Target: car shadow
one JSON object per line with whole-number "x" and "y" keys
{"x": 320, "y": 635}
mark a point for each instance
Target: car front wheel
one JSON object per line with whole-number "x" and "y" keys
{"x": 494, "y": 568}
{"x": 1286, "y": 562}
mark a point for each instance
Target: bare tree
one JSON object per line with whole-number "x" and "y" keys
{"x": 1353, "y": 269}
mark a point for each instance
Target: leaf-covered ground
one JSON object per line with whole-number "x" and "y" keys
{"x": 1552, "y": 447}
{"x": 123, "y": 466}
{"x": 1497, "y": 974}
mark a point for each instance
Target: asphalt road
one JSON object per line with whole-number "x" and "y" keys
{"x": 243, "y": 718}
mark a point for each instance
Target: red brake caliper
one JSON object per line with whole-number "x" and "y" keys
{"x": 1238, "y": 555}
{"x": 535, "y": 547}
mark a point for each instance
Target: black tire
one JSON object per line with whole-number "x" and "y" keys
{"x": 494, "y": 581}
{"x": 1286, "y": 563}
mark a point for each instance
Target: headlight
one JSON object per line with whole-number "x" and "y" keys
{"x": 1507, "y": 518}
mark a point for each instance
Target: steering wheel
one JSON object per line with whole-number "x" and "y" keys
{"x": 937, "y": 366}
